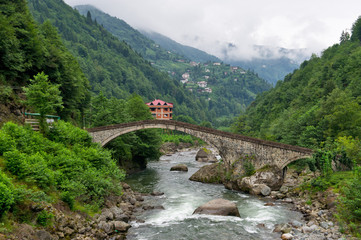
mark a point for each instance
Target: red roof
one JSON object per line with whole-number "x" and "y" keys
{"x": 159, "y": 102}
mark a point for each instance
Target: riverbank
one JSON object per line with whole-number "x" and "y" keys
{"x": 319, "y": 209}
{"x": 112, "y": 222}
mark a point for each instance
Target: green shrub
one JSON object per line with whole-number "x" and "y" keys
{"x": 6, "y": 198}
{"x": 70, "y": 164}
{"x": 67, "y": 134}
{"x": 5, "y": 93}
{"x": 6, "y": 144}
{"x": 68, "y": 198}
{"x": 248, "y": 167}
{"x": 44, "y": 218}
{"x": 15, "y": 162}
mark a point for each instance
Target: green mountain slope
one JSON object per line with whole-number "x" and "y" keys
{"x": 27, "y": 49}
{"x": 318, "y": 102}
{"x": 111, "y": 66}
{"x": 119, "y": 28}
{"x": 189, "y": 52}
{"x": 228, "y": 97}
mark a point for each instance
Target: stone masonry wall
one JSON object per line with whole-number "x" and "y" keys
{"x": 231, "y": 146}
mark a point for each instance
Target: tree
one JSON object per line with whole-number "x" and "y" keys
{"x": 137, "y": 109}
{"x": 356, "y": 30}
{"x": 345, "y": 36}
{"x": 44, "y": 97}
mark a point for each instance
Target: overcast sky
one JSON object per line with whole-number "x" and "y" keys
{"x": 210, "y": 24}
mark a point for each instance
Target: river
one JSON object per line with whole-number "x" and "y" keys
{"x": 182, "y": 196}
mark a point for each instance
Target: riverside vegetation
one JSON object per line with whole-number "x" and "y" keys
{"x": 318, "y": 106}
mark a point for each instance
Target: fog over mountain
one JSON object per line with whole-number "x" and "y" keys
{"x": 210, "y": 25}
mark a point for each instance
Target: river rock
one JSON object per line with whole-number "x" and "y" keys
{"x": 106, "y": 226}
{"x": 283, "y": 189}
{"x": 44, "y": 235}
{"x": 307, "y": 229}
{"x": 271, "y": 178}
{"x": 296, "y": 224}
{"x": 154, "y": 193}
{"x": 212, "y": 173}
{"x": 220, "y": 207}
{"x": 258, "y": 189}
{"x": 287, "y": 236}
{"x": 121, "y": 226}
{"x": 180, "y": 167}
{"x": 205, "y": 155}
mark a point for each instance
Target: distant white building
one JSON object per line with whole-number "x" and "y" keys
{"x": 184, "y": 81}
{"x": 185, "y": 75}
{"x": 207, "y": 70}
{"x": 202, "y": 84}
{"x": 206, "y": 77}
{"x": 208, "y": 90}
{"x": 216, "y": 64}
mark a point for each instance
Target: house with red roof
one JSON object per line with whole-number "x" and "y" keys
{"x": 161, "y": 110}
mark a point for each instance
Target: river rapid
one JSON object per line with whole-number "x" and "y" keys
{"x": 182, "y": 196}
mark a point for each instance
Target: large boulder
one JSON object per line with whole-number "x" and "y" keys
{"x": 260, "y": 189}
{"x": 212, "y": 173}
{"x": 180, "y": 167}
{"x": 221, "y": 207}
{"x": 205, "y": 155}
{"x": 273, "y": 180}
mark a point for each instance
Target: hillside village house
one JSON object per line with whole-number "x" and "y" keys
{"x": 185, "y": 75}
{"x": 202, "y": 84}
{"x": 161, "y": 110}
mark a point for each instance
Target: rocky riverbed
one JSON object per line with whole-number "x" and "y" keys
{"x": 318, "y": 209}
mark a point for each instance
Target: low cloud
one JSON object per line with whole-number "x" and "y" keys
{"x": 215, "y": 26}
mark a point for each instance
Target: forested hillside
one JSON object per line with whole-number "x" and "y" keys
{"x": 319, "y": 106}
{"x": 119, "y": 28}
{"x": 111, "y": 66}
{"x": 27, "y": 49}
{"x": 318, "y": 102}
{"x": 189, "y": 52}
{"x": 227, "y": 90}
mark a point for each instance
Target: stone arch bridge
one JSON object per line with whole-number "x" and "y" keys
{"x": 230, "y": 146}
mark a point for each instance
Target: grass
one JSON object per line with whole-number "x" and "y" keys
{"x": 177, "y": 138}
{"x": 336, "y": 181}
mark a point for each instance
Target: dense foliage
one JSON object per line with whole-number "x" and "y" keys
{"x": 233, "y": 90}
{"x": 44, "y": 97}
{"x": 319, "y": 106}
{"x": 318, "y": 102}
{"x": 66, "y": 162}
{"x": 27, "y": 49}
{"x": 119, "y": 28}
{"x": 131, "y": 150}
{"x": 111, "y": 66}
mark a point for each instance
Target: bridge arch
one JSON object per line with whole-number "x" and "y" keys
{"x": 141, "y": 125}
{"x": 230, "y": 146}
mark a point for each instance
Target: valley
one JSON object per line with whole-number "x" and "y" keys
{"x": 92, "y": 71}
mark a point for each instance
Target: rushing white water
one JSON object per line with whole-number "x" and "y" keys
{"x": 182, "y": 196}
